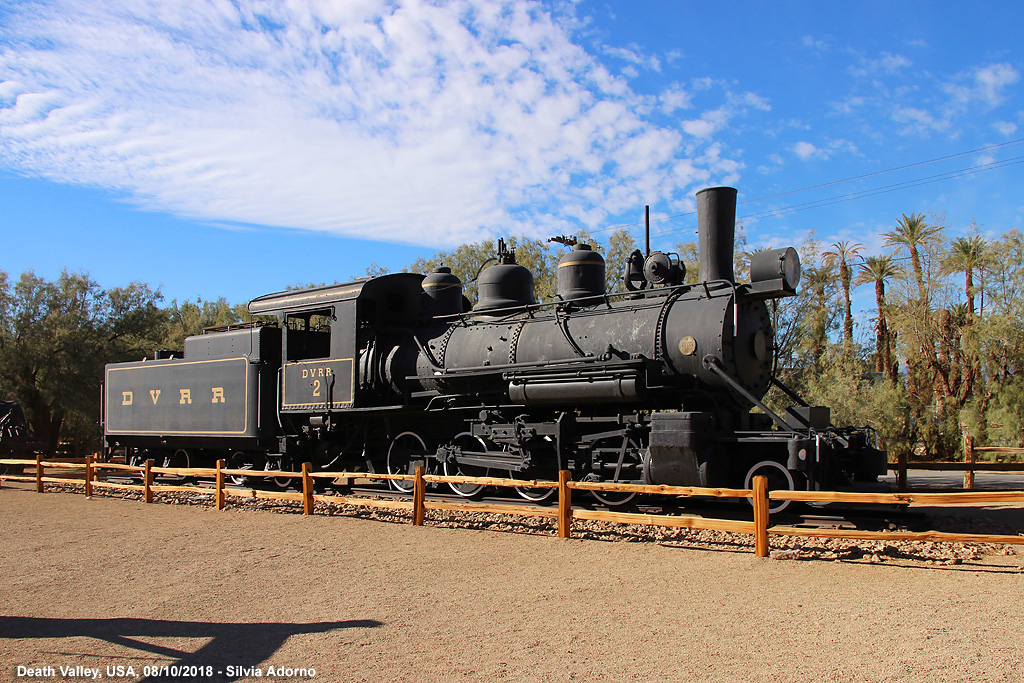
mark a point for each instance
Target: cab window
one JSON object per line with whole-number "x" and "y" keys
{"x": 308, "y": 335}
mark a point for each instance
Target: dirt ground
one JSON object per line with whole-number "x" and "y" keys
{"x": 104, "y": 583}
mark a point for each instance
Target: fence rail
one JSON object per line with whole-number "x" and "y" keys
{"x": 969, "y": 466}
{"x": 759, "y": 495}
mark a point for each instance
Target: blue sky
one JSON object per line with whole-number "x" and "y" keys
{"x": 235, "y": 148}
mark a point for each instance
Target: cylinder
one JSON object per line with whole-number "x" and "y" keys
{"x": 716, "y": 232}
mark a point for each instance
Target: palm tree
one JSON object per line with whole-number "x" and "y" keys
{"x": 842, "y": 253}
{"x": 877, "y": 270}
{"x": 818, "y": 281}
{"x": 967, "y": 254}
{"x": 913, "y": 232}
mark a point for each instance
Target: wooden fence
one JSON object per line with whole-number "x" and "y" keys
{"x": 760, "y": 527}
{"x": 969, "y": 466}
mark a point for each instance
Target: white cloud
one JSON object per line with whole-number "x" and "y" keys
{"x": 1005, "y": 127}
{"x": 714, "y": 120}
{"x": 920, "y": 120}
{"x": 819, "y": 44}
{"x": 394, "y": 120}
{"x": 807, "y": 151}
{"x": 986, "y": 85}
{"x": 887, "y": 64}
{"x": 675, "y": 98}
{"x": 634, "y": 55}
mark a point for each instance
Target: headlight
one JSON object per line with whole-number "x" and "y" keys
{"x": 775, "y": 272}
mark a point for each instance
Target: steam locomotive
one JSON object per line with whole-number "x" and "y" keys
{"x": 655, "y": 384}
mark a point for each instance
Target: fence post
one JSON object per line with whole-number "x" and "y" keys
{"x": 39, "y": 473}
{"x": 901, "y": 470}
{"x": 147, "y": 482}
{"x": 220, "y": 485}
{"x": 307, "y": 489}
{"x": 564, "y": 504}
{"x": 969, "y": 461}
{"x": 761, "y": 516}
{"x": 88, "y": 476}
{"x": 419, "y": 494}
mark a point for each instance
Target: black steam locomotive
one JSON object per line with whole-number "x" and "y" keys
{"x": 652, "y": 385}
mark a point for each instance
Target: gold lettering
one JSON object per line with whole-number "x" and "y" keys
{"x": 316, "y": 387}
{"x": 186, "y": 396}
{"x": 329, "y": 372}
{"x": 126, "y": 398}
{"x": 154, "y": 394}
{"x": 218, "y": 395}
{"x": 305, "y": 373}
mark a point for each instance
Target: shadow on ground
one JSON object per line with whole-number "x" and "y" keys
{"x": 229, "y": 644}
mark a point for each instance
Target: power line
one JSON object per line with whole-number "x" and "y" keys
{"x": 936, "y": 160}
{"x": 884, "y": 189}
{"x": 853, "y": 195}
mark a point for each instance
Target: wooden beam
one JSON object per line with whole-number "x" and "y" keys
{"x": 969, "y": 460}
{"x": 564, "y": 504}
{"x": 761, "y": 516}
{"x": 901, "y": 471}
{"x": 187, "y": 471}
{"x": 39, "y": 474}
{"x": 147, "y": 478}
{"x": 856, "y": 534}
{"x": 220, "y": 485}
{"x": 945, "y": 466}
{"x": 374, "y": 502}
{"x": 16, "y": 461}
{"x": 490, "y": 481}
{"x": 307, "y": 489}
{"x": 61, "y": 480}
{"x": 88, "y": 477}
{"x": 116, "y": 466}
{"x": 113, "y": 485}
{"x": 956, "y": 498}
{"x": 489, "y": 508}
{"x": 666, "y": 520}
{"x": 419, "y": 494}
{"x": 367, "y": 475}
{"x": 661, "y": 489}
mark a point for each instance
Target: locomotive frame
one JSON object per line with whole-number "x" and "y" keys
{"x": 651, "y": 385}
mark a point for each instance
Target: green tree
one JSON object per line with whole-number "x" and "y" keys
{"x": 841, "y": 254}
{"x": 967, "y": 254}
{"x": 55, "y": 338}
{"x": 878, "y": 270}
{"x": 189, "y": 318}
{"x": 819, "y": 319}
{"x": 912, "y": 233}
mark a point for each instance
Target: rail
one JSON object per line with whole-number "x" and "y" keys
{"x": 760, "y": 527}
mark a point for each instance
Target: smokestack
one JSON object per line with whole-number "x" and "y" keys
{"x": 716, "y": 232}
